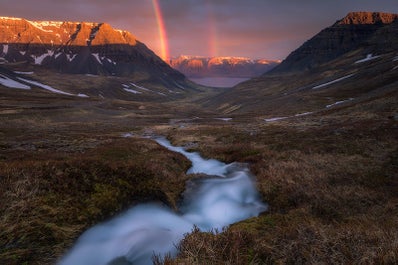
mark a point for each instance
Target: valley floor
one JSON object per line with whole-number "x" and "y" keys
{"x": 330, "y": 180}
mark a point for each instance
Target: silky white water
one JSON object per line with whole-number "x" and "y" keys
{"x": 228, "y": 196}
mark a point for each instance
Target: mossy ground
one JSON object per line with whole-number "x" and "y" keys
{"x": 49, "y": 198}
{"x": 331, "y": 183}
{"x": 330, "y": 180}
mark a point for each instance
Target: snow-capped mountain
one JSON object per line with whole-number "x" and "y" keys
{"x": 81, "y": 48}
{"x": 196, "y": 66}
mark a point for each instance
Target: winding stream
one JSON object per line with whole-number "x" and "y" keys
{"x": 228, "y": 196}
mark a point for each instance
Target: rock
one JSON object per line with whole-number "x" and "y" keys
{"x": 363, "y": 18}
{"x": 80, "y": 48}
{"x": 374, "y": 31}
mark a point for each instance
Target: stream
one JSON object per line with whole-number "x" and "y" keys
{"x": 226, "y": 196}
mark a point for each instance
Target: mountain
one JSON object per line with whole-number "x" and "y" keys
{"x": 354, "y": 59}
{"x": 82, "y": 48}
{"x": 196, "y": 66}
{"x": 358, "y": 29}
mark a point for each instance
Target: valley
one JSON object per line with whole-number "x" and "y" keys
{"x": 318, "y": 132}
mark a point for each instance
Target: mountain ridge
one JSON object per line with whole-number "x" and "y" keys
{"x": 66, "y": 32}
{"x": 221, "y": 66}
{"x": 339, "y": 64}
{"x": 356, "y": 29}
{"x": 363, "y": 17}
{"x": 81, "y": 48}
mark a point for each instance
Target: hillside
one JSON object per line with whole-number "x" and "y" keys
{"x": 82, "y": 48}
{"x": 82, "y": 61}
{"x": 369, "y": 31}
{"x": 345, "y": 62}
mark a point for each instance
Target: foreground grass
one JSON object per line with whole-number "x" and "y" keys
{"x": 48, "y": 199}
{"x": 332, "y": 189}
{"x": 330, "y": 180}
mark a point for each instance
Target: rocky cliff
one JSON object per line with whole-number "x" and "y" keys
{"x": 80, "y": 47}
{"x": 367, "y": 18}
{"x": 371, "y": 31}
{"x": 195, "y": 66}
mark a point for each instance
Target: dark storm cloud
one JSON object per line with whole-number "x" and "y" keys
{"x": 253, "y": 28}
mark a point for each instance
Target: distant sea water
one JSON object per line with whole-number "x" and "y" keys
{"x": 219, "y": 81}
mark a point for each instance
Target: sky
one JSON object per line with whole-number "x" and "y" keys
{"x": 258, "y": 29}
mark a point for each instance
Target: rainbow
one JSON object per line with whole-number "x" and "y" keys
{"x": 164, "y": 46}
{"x": 212, "y": 30}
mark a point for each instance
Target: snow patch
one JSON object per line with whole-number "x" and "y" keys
{"x": 10, "y": 18}
{"x": 223, "y": 119}
{"x": 92, "y": 35}
{"x": 140, "y": 87}
{"x": 46, "y": 87}
{"x": 395, "y": 59}
{"x": 127, "y": 135}
{"x": 5, "y": 48}
{"x": 22, "y": 52}
{"x": 369, "y": 57}
{"x": 145, "y": 89}
{"x": 5, "y": 81}
{"x": 132, "y": 91}
{"x": 96, "y": 55}
{"x": 71, "y": 57}
{"x": 110, "y": 61}
{"x": 303, "y": 114}
{"x": 80, "y": 95}
{"x": 39, "y": 59}
{"x": 23, "y": 73}
{"x": 287, "y": 117}
{"x": 339, "y": 102}
{"x": 275, "y": 119}
{"x": 333, "y": 81}
{"x": 179, "y": 86}
{"x": 41, "y": 24}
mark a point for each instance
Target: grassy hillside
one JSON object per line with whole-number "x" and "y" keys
{"x": 330, "y": 180}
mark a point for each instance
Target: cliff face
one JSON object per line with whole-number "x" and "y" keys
{"x": 366, "y": 18}
{"x": 194, "y": 66}
{"x": 16, "y": 30}
{"x": 78, "y": 47}
{"x": 370, "y": 31}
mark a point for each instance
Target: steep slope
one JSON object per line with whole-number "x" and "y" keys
{"x": 356, "y": 30}
{"x": 196, "y": 66}
{"x": 353, "y": 60}
{"x": 82, "y": 48}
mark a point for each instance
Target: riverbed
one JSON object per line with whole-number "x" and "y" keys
{"x": 222, "y": 195}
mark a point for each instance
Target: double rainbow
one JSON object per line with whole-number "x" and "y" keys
{"x": 211, "y": 26}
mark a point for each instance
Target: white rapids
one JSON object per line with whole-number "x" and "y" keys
{"x": 227, "y": 195}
